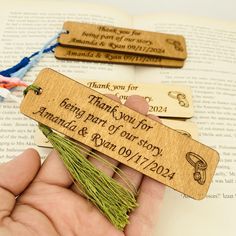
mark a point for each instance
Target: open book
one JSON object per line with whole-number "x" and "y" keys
{"x": 209, "y": 70}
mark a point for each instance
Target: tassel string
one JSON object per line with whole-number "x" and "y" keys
{"x": 115, "y": 169}
{"x": 9, "y": 83}
{"x": 47, "y": 50}
{"x": 87, "y": 151}
{"x": 35, "y": 58}
{"x": 19, "y": 70}
{"x": 5, "y": 93}
{"x": 110, "y": 197}
{"x": 25, "y": 61}
{"x": 7, "y": 73}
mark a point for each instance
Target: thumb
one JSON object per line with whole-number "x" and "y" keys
{"x": 15, "y": 176}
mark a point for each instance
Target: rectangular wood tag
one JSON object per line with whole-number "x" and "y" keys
{"x": 69, "y": 53}
{"x": 118, "y": 39}
{"x": 165, "y": 100}
{"x": 121, "y": 133}
{"x": 159, "y": 104}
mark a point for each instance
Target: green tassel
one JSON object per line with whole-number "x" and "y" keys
{"x": 110, "y": 197}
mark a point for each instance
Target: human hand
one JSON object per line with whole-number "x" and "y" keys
{"x": 48, "y": 203}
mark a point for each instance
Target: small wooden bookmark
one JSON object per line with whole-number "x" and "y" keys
{"x": 70, "y": 53}
{"x": 121, "y": 133}
{"x": 165, "y": 100}
{"x": 118, "y": 39}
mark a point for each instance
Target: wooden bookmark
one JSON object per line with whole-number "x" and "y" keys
{"x": 118, "y": 39}
{"x": 121, "y": 133}
{"x": 69, "y": 53}
{"x": 165, "y": 100}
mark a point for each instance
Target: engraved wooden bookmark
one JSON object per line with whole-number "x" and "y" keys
{"x": 165, "y": 100}
{"x": 121, "y": 133}
{"x": 70, "y": 53}
{"x": 123, "y": 40}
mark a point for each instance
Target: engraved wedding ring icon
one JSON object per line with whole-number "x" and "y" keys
{"x": 199, "y": 165}
{"x": 181, "y": 97}
{"x": 176, "y": 44}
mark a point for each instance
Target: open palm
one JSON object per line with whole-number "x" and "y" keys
{"x": 48, "y": 203}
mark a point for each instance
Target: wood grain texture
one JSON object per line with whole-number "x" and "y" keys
{"x": 121, "y": 133}
{"x": 165, "y": 100}
{"x": 72, "y": 53}
{"x": 123, "y": 40}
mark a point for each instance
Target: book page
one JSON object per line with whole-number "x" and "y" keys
{"x": 210, "y": 71}
{"x": 25, "y": 27}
